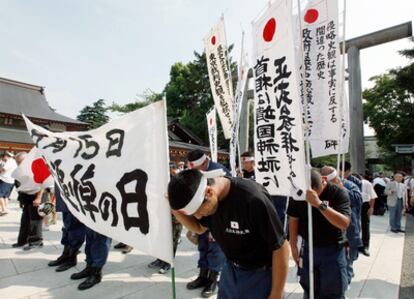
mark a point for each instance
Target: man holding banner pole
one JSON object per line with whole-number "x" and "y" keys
{"x": 241, "y": 218}
{"x": 330, "y": 218}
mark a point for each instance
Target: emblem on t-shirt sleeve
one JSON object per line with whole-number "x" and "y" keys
{"x": 234, "y": 224}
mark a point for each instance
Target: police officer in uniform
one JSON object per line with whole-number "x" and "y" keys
{"x": 243, "y": 221}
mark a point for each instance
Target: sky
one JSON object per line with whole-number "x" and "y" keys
{"x": 82, "y": 51}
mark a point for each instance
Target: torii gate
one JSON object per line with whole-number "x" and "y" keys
{"x": 352, "y": 48}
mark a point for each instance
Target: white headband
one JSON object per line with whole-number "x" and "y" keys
{"x": 247, "y": 159}
{"x": 198, "y": 196}
{"x": 197, "y": 162}
{"x": 331, "y": 176}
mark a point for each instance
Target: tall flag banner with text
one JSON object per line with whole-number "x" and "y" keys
{"x": 278, "y": 135}
{"x": 212, "y": 133}
{"x": 220, "y": 77}
{"x": 113, "y": 178}
{"x": 324, "y": 149}
{"x": 243, "y": 68}
{"x": 320, "y": 87}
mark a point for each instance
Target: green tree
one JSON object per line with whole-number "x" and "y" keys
{"x": 144, "y": 99}
{"x": 94, "y": 115}
{"x": 389, "y": 109}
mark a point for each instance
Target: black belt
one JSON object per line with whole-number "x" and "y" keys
{"x": 249, "y": 268}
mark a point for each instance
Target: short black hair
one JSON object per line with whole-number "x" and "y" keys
{"x": 194, "y": 155}
{"x": 316, "y": 179}
{"x": 247, "y": 154}
{"x": 182, "y": 188}
{"x": 347, "y": 166}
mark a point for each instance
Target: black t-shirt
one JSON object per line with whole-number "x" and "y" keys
{"x": 249, "y": 175}
{"x": 324, "y": 233}
{"x": 246, "y": 225}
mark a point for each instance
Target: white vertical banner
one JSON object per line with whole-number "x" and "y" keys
{"x": 335, "y": 146}
{"x": 321, "y": 87}
{"x": 113, "y": 178}
{"x": 278, "y": 136}
{"x": 219, "y": 74}
{"x": 243, "y": 68}
{"x": 212, "y": 132}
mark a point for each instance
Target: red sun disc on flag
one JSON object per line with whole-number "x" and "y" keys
{"x": 211, "y": 121}
{"x": 311, "y": 16}
{"x": 213, "y": 40}
{"x": 40, "y": 171}
{"x": 269, "y": 30}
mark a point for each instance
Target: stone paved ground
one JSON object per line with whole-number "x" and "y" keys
{"x": 26, "y": 274}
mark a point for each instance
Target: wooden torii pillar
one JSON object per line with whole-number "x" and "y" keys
{"x": 352, "y": 48}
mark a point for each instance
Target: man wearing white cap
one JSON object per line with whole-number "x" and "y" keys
{"x": 242, "y": 219}
{"x": 212, "y": 258}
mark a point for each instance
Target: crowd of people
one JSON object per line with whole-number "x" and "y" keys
{"x": 243, "y": 234}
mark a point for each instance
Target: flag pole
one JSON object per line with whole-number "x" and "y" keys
{"x": 164, "y": 100}
{"x": 308, "y": 165}
{"x": 173, "y": 281}
{"x": 342, "y": 82}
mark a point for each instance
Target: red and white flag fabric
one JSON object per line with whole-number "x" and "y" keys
{"x": 243, "y": 68}
{"x": 219, "y": 73}
{"x": 278, "y": 138}
{"x": 212, "y": 133}
{"x": 34, "y": 166}
{"x": 114, "y": 178}
{"x": 321, "y": 74}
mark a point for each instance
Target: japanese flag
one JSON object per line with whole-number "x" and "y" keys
{"x": 35, "y": 167}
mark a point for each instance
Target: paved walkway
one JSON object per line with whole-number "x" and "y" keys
{"x": 26, "y": 274}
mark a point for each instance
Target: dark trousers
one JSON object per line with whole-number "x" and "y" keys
{"x": 365, "y": 224}
{"x": 73, "y": 231}
{"x": 211, "y": 256}
{"x": 24, "y": 226}
{"x": 96, "y": 248}
{"x": 280, "y": 204}
{"x": 30, "y": 222}
{"x": 330, "y": 275}
{"x": 237, "y": 283}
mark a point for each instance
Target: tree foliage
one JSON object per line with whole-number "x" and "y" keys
{"x": 144, "y": 99}
{"x": 389, "y": 106}
{"x": 94, "y": 115}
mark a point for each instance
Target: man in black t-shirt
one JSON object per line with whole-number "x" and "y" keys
{"x": 330, "y": 217}
{"x": 242, "y": 219}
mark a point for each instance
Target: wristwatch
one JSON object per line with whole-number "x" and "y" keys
{"x": 323, "y": 206}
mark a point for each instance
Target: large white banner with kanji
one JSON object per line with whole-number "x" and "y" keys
{"x": 113, "y": 178}
{"x": 335, "y": 146}
{"x": 278, "y": 138}
{"x": 321, "y": 86}
{"x": 219, "y": 73}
